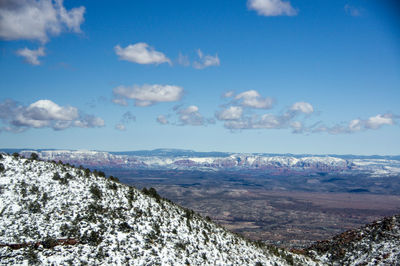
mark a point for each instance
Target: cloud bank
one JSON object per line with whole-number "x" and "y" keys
{"x": 42, "y": 114}
{"x": 357, "y": 125}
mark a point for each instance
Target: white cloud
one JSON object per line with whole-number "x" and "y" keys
{"x": 272, "y": 7}
{"x": 162, "y": 119}
{"x": 141, "y": 53}
{"x": 31, "y": 56}
{"x": 353, "y": 11}
{"x": 228, "y": 94}
{"x": 127, "y": 117}
{"x": 44, "y": 113}
{"x": 230, "y": 113}
{"x": 302, "y": 107}
{"x": 191, "y": 116}
{"x": 206, "y": 60}
{"x": 48, "y": 110}
{"x": 37, "y": 20}
{"x": 88, "y": 121}
{"x": 378, "y": 121}
{"x": 73, "y": 18}
{"x": 355, "y": 125}
{"x": 183, "y": 60}
{"x": 147, "y": 94}
{"x": 269, "y": 121}
{"x": 265, "y": 121}
{"x": 253, "y": 99}
{"x": 297, "y": 127}
{"x": 120, "y": 127}
{"x": 120, "y": 101}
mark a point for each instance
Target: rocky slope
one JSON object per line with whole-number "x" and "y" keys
{"x": 375, "y": 244}
{"x": 52, "y": 213}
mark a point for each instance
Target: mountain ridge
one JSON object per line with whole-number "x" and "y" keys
{"x": 171, "y": 151}
{"x": 274, "y": 164}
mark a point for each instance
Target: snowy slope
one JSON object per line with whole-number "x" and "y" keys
{"x": 374, "y": 244}
{"x": 55, "y": 214}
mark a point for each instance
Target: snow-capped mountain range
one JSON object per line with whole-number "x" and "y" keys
{"x": 178, "y": 159}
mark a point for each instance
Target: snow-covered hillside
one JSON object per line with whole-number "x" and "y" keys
{"x": 375, "y": 244}
{"x": 51, "y": 213}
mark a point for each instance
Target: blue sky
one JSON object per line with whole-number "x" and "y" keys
{"x": 242, "y": 76}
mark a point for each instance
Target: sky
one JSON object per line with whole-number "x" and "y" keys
{"x": 271, "y": 76}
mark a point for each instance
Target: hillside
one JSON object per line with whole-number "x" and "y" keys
{"x": 55, "y": 213}
{"x": 377, "y": 243}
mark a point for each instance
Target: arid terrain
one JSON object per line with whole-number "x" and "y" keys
{"x": 287, "y": 211}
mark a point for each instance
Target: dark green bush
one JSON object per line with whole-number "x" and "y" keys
{"x": 56, "y": 176}
{"x": 64, "y": 181}
{"x": 124, "y": 227}
{"x": 112, "y": 186}
{"x": 180, "y": 245}
{"x": 152, "y": 192}
{"x": 49, "y": 242}
{"x": 34, "y": 156}
{"x": 101, "y": 174}
{"x": 45, "y": 198}
{"x": 87, "y": 172}
{"x": 115, "y": 179}
{"x": 68, "y": 176}
{"x": 34, "y": 207}
{"x": 32, "y": 257}
{"x": 95, "y": 208}
{"x": 2, "y": 168}
{"x": 93, "y": 239}
{"x": 96, "y": 192}
{"x": 34, "y": 189}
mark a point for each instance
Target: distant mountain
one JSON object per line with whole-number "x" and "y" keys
{"x": 52, "y": 213}
{"x": 375, "y": 244}
{"x": 190, "y": 160}
{"x": 172, "y": 153}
